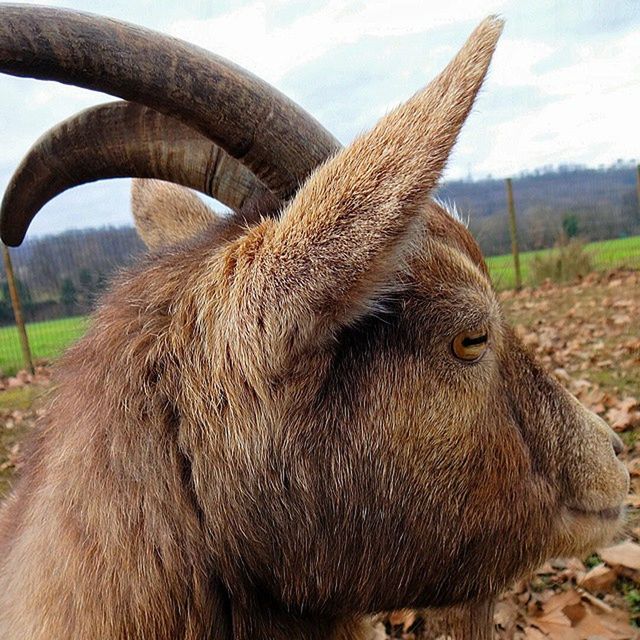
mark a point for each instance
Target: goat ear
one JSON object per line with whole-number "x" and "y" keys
{"x": 338, "y": 243}
{"x": 165, "y": 213}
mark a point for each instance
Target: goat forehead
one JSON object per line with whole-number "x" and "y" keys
{"x": 445, "y": 225}
{"x": 441, "y": 269}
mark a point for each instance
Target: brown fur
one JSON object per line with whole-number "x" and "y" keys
{"x": 265, "y": 433}
{"x": 166, "y": 213}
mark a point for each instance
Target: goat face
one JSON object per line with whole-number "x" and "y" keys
{"x": 386, "y": 458}
{"x": 395, "y": 426}
{"x": 526, "y": 471}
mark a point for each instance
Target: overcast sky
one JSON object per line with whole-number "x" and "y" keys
{"x": 564, "y": 86}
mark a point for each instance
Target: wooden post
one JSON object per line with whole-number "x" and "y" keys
{"x": 514, "y": 233}
{"x": 17, "y": 310}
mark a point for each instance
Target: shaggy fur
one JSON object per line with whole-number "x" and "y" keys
{"x": 165, "y": 213}
{"x": 266, "y": 435}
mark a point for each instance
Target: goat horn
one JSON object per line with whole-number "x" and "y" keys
{"x": 121, "y": 139}
{"x": 248, "y": 118}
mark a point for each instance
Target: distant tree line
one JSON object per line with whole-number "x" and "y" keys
{"x": 64, "y": 275}
{"x": 594, "y": 204}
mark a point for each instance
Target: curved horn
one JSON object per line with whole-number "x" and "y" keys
{"x": 247, "y": 117}
{"x": 116, "y": 140}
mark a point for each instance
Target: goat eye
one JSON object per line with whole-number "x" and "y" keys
{"x": 470, "y": 345}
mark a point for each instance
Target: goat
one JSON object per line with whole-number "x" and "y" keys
{"x": 312, "y": 412}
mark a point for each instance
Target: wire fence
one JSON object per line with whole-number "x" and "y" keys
{"x": 58, "y": 280}
{"x": 565, "y": 223}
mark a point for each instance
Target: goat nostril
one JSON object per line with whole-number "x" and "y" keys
{"x": 618, "y": 445}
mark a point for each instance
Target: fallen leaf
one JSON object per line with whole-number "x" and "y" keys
{"x": 600, "y": 578}
{"x": 403, "y": 617}
{"x": 531, "y": 633}
{"x": 505, "y": 615}
{"x": 626, "y": 554}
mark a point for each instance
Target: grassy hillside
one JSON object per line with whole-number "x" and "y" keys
{"x": 623, "y": 252}
{"x": 46, "y": 339}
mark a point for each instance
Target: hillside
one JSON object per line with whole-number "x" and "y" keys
{"x": 597, "y": 204}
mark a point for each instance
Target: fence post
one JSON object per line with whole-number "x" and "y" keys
{"x": 514, "y": 233}
{"x": 17, "y": 310}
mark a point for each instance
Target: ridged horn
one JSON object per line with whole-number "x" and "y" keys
{"x": 253, "y": 122}
{"x": 115, "y": 140}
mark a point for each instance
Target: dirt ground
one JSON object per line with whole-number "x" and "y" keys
{"x": 588, "y": 335}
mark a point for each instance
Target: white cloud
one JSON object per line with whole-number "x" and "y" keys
{"x": 515, "y": 60}
{"x": 600, "y": 68}
{"x": 589, "y": 111}
{"x": 543, "y": 136}
{"x": 246, "y": 36}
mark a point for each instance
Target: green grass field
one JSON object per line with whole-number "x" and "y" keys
{"x": 46, "y": 339}
{"x": 623, "y": 252}
{"x": 49, "y": 339}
